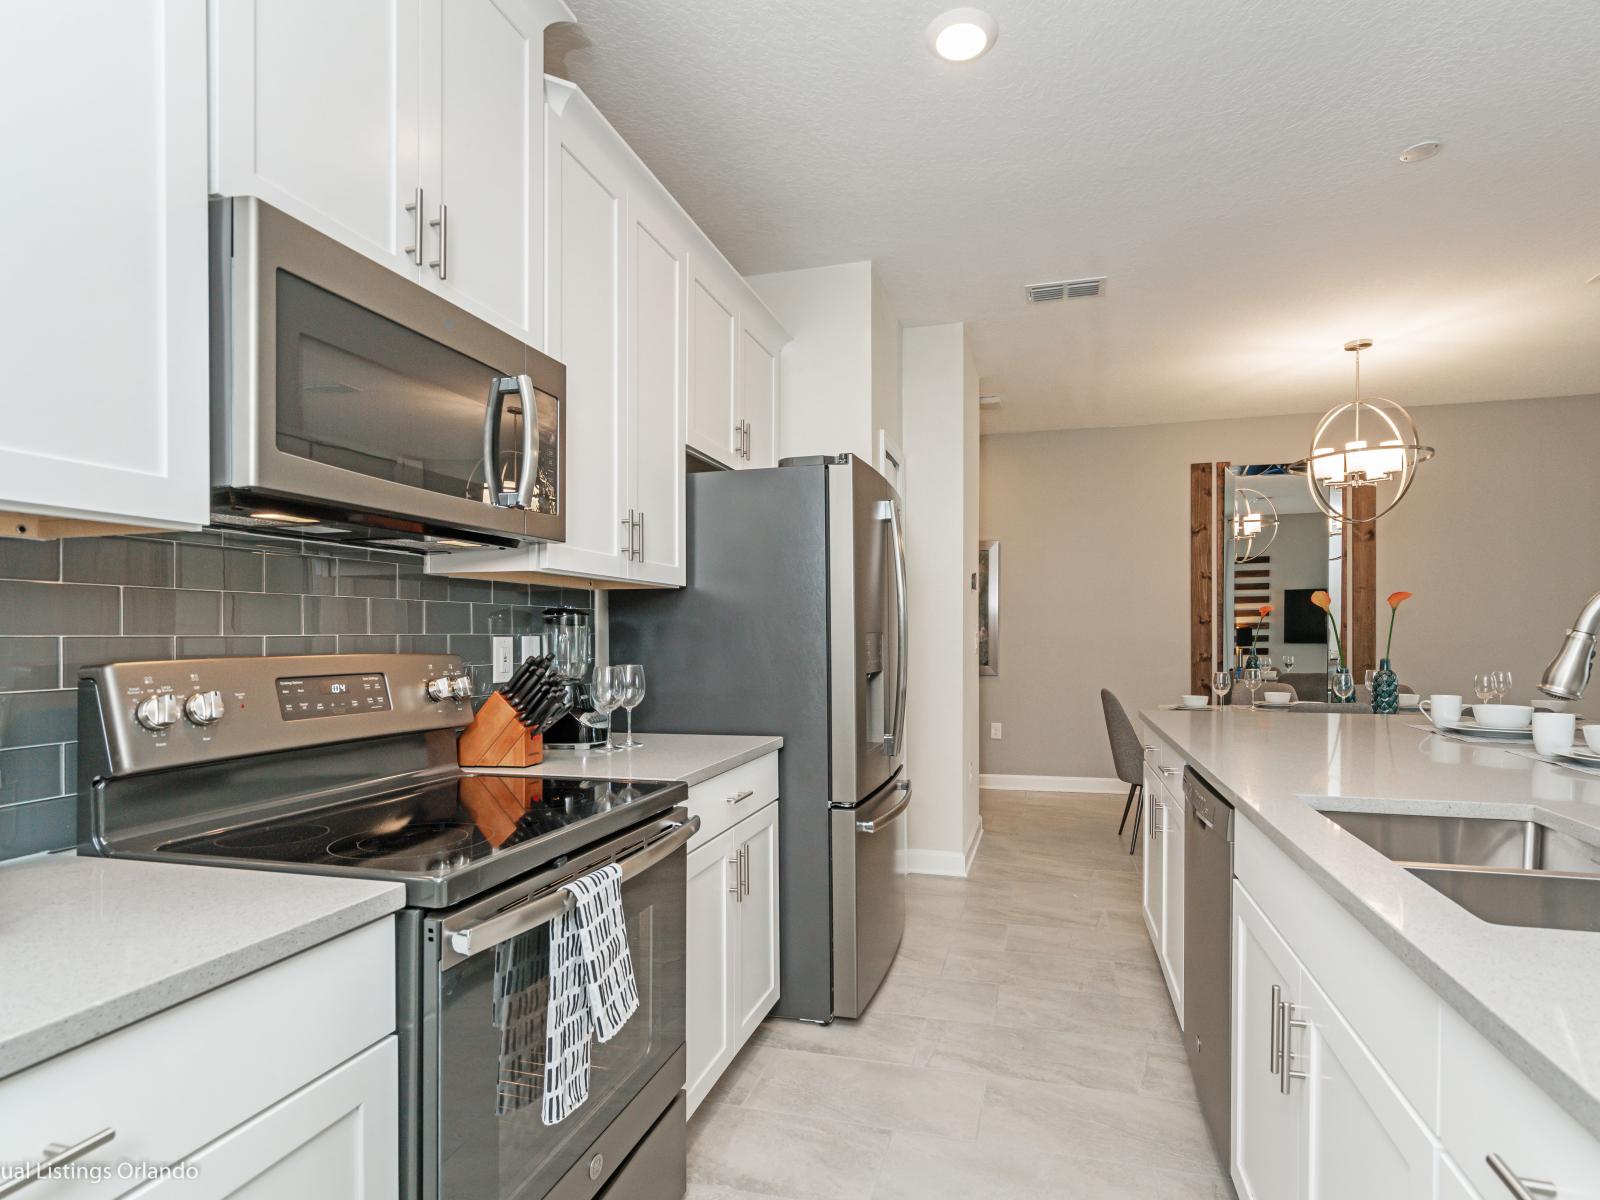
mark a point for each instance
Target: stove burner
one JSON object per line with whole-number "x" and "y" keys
{"x": 433, "y": 842}
{"x": 266, "y": 837}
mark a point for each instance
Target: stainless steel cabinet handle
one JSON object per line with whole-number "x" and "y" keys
{"x": 744, "y": 872}
{"x": 734, "y": 863}
{"x": 415, "y": 209}
{"x": 1204, "y": 821}
{"x": 1286, "y": 1072}
{"x": 1149, "y": 750}
{"x": 738, "y": 438}
{"x": 638, "y": 535}
{"x": 1522, "y": 1189}
{"x": 1170, "y": 770}
{"x": 56, "y": 1156}
{"x": 442, "y": 224}
{"x": 1273, "y": 1054}
{"x": 627, "y": 528}
{"x": 1157, "y": 811}
{"x": 744, "y": 795}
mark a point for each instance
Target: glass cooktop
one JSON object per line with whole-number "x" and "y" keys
{"x": 435, "y": 829}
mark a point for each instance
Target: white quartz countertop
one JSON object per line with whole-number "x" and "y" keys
{"x": 88, "y": 945}
{"x": 684, "y": 757}
{"x": 1534, "y": 993}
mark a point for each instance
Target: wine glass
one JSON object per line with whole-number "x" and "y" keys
{"x": 632, "y": 680}
{"x": 1221, "y": 683}
{"x": 1265, "y": 661}
{"x": 1252, "y": 680}
{"x": 1483, "y": 686}
{"x": 605, "y": 693}
{"x": 1288, "y": 663}
{"x": 1367, "y": 677}
{"x": 1502, "y": 686}
{"x": 1344, "y": 684}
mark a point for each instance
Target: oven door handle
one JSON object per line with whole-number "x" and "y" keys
{"x": 475, "y": 939}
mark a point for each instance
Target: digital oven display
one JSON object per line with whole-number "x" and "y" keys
{"x": 332, "y": 696}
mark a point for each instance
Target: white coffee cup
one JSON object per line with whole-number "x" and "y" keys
{"x": 1442, "y": 709}
{"x": 1553, "y": 732}
{"x": 1591, "y": 735}
{"x": 1409, "y": 700}
{"x": 1275, "y": 699}
{"x": 1189, "y": 700}
{"x": 1503, "y": 716}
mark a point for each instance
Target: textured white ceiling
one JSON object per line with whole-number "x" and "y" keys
{"x": 1231, "y": 166}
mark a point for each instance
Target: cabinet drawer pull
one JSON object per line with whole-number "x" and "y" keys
{"x": 1522, "y": 1189}
{"x": 55, "y": 1156}
{"x": 442, "y": 224}
{"x": 1286, "y": 1072}
{"x": 414, "y": 251}
{"x": 627, "y": 526}
{"x": 1274, "y": 1030}
{"x": 744, "y": 795}
{"x": 738, "y": 877}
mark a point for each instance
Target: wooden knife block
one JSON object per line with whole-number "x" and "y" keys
{"x": 496, "y": 738}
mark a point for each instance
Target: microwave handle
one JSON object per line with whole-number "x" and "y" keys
{"x": 499, "y": 388}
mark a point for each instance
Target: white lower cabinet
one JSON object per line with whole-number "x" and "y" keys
{"x": 280, "y": 1084}
{"x": 1314, "y": 1115}
{"x": 1452, "y": 1185}
{"x": 732, "y": 944}
{"x": 1161, "y": 837}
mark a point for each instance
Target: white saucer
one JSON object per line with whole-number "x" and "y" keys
{"x": 1469, "y": 727}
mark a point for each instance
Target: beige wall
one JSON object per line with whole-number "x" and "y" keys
{"x": 1499, "y": 539}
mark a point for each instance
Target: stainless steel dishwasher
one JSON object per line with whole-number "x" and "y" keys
{"x": 1208, "y": 951}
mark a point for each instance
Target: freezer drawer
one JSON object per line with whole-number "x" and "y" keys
{"x": 869, "y": 894}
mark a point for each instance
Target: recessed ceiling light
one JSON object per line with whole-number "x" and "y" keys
{"x": 1420, "y": 151}
{"x": 962, "y": 34}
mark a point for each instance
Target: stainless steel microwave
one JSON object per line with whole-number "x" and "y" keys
{"x": 350, "y": 403}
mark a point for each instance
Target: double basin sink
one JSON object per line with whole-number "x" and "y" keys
{"x": 1508, "y": 872}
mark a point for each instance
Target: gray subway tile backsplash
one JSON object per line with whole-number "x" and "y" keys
{"x": 202, "y": 595}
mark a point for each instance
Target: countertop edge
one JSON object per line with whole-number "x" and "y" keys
{"x": 565, "y": 762}
{"x": 1542, "y": 1068}
{"x": 31, "y": 1047}
{"x": 738, "y": 759}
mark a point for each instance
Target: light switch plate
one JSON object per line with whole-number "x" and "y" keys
{"x": 532, "y": 646}
{"x": 994, "y": 731}
{"x": 502, "y": 659}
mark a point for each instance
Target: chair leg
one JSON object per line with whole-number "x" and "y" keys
{"x": 1127, "y": 808}
{"x": 1137, "y": 814}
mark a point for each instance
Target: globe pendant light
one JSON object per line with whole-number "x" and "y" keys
{"x": 1367, "y": 442}
{"x": 1255, "y": 524}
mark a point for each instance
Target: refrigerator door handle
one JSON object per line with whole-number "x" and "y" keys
{"x": 894, "y": 740}
{"x": 880, "y": 814}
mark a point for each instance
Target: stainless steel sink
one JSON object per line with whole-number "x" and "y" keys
{"x": 1536, "y": 899}
{"x": 1504, "y": 871}
{"x": 1470, "y": 841}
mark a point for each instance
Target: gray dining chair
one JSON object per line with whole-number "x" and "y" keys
{"x": 1127, "y": 756}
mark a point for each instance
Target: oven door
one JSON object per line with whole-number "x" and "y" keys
{"x": 484, "y": 1010}
{"x": 345, "y": 385}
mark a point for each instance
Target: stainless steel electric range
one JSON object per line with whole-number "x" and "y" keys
{"x": 346, "y": 765}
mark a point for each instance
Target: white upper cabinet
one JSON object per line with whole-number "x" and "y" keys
{"x": 410, "y": 130}
{"x": 482, "y": 150}
{"x": 714, "y": 417}
{"x": 315, "y": 109}
{"x": 103, "y": 317}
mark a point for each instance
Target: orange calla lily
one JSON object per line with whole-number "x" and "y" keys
{"x": 1322, "y": 600}
{"x": 1396, "y": 599}
{"x": 1265, "y": 609}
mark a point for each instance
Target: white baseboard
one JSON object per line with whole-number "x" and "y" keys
{"x": 1050, "y": 783}
{"x": 972, "y": 847}
{"x": 941, "y": 862}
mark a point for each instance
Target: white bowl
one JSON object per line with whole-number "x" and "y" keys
{"x": 1409, "y": 700}
{"x": 1591, "y": 735}
{"x": 1503, "y": 716}
{"x": 1276, "y": 699}
{"x": 1188, "y": 700}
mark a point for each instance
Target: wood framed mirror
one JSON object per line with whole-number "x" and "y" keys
{"x": 1238, "y": 516}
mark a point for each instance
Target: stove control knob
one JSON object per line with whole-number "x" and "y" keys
{"x": 439, "y": 689}
{"x": 157, "y": 713}
{"x": 461, "y": 687}
{"x": 204, "y": 708}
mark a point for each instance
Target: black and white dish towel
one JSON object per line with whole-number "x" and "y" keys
{"x": 592, "y": 988}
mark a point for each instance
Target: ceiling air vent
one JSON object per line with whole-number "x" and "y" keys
{"x": 1065, "y": 289}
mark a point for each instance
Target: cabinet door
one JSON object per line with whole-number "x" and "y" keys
{"x": 758, "y": 394}
{"x": 1172, "y": 872}
{"x": 757, "y": 837}
{"x": 713, "y": 373}
{"x": 1150, "y": 854}
{"x": 338, "y": 1138}
{"x": 1266, "y": 1122}
{"x": 1361, "y": 1138}
{"x": 586, "y": 329}
{"x": 658, "y": 272}
{"x": 103, "y": 313}
{"x": 711, "y": 946}
{"x": 482, "y": 155}
{"x": 315, "y": 109}
{"x": 1452, "y": 1184}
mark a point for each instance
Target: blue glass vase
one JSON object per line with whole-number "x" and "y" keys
{"x": 1385, "y": 689}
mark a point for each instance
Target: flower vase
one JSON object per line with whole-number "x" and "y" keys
{"x": 1252, "y": 661}
{"x": 1385, "y": 689}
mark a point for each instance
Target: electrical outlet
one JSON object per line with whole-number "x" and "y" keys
{"x": 532, "y": 646}
{"x": 502, "y": 659}
{"x": 994, "y": 731}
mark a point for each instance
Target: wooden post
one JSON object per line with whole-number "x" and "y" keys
{"x": 1205, "y": 574}
{"x": 1361, "y": 582}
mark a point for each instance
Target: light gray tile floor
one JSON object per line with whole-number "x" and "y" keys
{"x": 1022, "y": 1047}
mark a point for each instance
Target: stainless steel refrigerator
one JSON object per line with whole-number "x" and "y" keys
{"x": 793, "y": 621}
